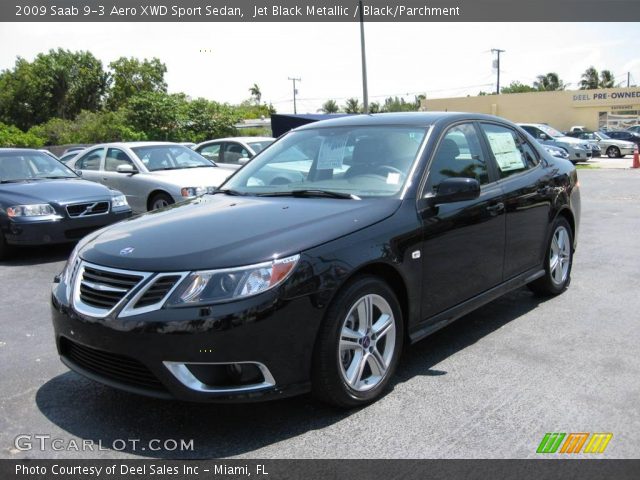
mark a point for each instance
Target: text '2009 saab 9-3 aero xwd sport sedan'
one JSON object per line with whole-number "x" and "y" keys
{"x": 399, "y": 224}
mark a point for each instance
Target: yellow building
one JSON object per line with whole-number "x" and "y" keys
{"x": 612, "y": 108}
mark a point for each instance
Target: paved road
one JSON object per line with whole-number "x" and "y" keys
{"x": 490, "y": 385}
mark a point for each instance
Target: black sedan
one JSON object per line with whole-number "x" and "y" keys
{"x": 625, "y": 135}
{"x": 44, "y": 202}
{"x": 401, "y": 224}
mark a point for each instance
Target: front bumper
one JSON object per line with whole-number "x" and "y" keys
{"x": 580, "y": 155}
{"x": 57, "y": 229}
{"x": 150, "y": 353}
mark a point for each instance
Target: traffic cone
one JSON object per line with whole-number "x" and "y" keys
{"x": 636, "y": 158}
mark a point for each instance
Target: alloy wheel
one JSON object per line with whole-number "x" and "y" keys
{"x": 560, "y": 255}
{"x": 367, "y": 343}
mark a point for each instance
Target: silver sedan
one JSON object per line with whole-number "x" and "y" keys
{"x": 151, "y": 174}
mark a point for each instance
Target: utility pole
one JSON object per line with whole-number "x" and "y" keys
{"x": 365, "y": 93}
{"x": 497, "y": 64}
{"x": 295, "y": 92}
{"x": 628, "y": 79}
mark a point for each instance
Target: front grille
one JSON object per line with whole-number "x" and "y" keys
{"x": 157, "y": 291}
{"x": 87, "y": 209}
{"x": 104, "y": 289}
{"x": 110, "y": 365}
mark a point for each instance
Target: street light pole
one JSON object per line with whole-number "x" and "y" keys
{"x": 295, "y": 91}
{"x": 498, "y": 51}
{"x": 365, "y": 93}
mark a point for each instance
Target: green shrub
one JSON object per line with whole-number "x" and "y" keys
{"x": 11, "y": 136}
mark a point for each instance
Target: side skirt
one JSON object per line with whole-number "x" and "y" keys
{"x": 441, "y": 320}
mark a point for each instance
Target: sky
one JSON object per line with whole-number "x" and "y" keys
{"x": 220, "y": 61}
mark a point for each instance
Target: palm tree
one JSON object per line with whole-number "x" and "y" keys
{"x": 352, "y": 106}
{"x": 590, "y": 80}
{"x": 606, "y": 79}
{"x": 330, "y": 106}
{"x": 549, "y": 83}
{"x": 256, "y": 93}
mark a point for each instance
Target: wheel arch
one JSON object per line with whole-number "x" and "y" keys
{"x": 153, "y": 194}
{"x": 567, "y": 214}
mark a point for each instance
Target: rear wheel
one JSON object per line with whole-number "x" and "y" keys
{"x": 558, "y": 261}
{"x": 358, "y": 344}
{"x": 613, "y": 152}
{"x": 160, "y": 200}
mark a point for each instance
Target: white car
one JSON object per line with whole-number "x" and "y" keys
{"x": 151, "y": 174}
{"x": 233, "y": 152}
{"x": 578, "y": 150}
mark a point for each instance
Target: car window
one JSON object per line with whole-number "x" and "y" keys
{"x": 233, "y": 152}
{"x": 28, "y": 165}
{"x": 367, "y": 161}
{"x": 90, "y": 160}
{"x": 211, "y": 152}
{"x": 533, "y": 131}
{"x": 458, "y": 155}
{"x": 510, "y": 151}
{"x": 116, "y": 157}
{"x": 170, "y": 157}
{"x": 259, "y": 146}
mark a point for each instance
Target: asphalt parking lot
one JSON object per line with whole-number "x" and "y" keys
{"x": 489, "y": 386}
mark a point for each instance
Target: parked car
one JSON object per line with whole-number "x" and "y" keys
{"x": 579, "y": 151}
{"x": 66, "y": 158}
{"x": 233, "y": 152}
{"x": 263, "y": 291}
{"x": 151, "y": 174}
{"x": 612, "y": 147}
{"x": 624, "y": 135}
{"x": 634, "y": 129}
{"x": 74, "y": 149}
{"x": 44, "y": 202}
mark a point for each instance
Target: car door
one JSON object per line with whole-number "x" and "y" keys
{"x": 463, "y": 242}
{"x": 90, "y": 163}
{"x": 527, "y": 193}
{"x": 127, "y": 183}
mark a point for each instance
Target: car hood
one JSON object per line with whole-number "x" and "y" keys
{"x": 194, "y": 177}
{"x": 61, "y": 192}
{"x": 218, "y": 231}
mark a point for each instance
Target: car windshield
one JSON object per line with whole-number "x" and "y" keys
{"x": 552, "y": 132}
{"x": 259, "y": 146}
{"x": 363, "y": 161}
{"x": 20, "y": 166}
{"x": 170, "y": 157}
{"x": 602, "y": 135}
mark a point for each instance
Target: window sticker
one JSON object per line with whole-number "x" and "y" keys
{"x": 332, "y": 152}
{"x": 505, "y": 150}
{"x": 393, "y": 178}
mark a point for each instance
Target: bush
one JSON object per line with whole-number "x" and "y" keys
{"x": 11, "y": 136}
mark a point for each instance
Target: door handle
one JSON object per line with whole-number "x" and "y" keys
{"x": 495, "y": 209}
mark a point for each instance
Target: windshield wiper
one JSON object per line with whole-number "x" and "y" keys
{"x": 229, "y": 191}
{"x": 309, "y": 193}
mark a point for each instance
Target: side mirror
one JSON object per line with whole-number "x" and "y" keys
{"x": 456, "y": 189}
{"x": 78, "y": 172}
{"x": 126, "y": 168}
{"x": 243, "y": 160}
{"x": 543, "y": 136}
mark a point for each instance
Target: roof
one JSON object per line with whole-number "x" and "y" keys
{"x": 421, "y": 119}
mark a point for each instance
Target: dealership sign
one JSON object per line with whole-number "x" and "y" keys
{"x": 606, "y": 97}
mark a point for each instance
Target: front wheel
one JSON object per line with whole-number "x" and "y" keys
{"x": 558, "y": 262}
{"x": 613, "y": 152}
{"x": 160, "y": 200}
{"x": 358, "y": 344}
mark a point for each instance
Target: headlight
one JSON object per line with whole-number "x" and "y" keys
{"x": 65, "y": 276}
{"x": 214, "y": 286}
{"x": 196, "y": 191}
{"x": 119, "y": 201}
{"x": 39, "y": 210}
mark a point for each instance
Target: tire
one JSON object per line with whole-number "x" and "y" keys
{"x": 160, "y": 200}
{"x": 354, "y": 360}
{"x": 4, "y": 248}
{"x": 613, "y": 152}
{"x": 558, "y": 261}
